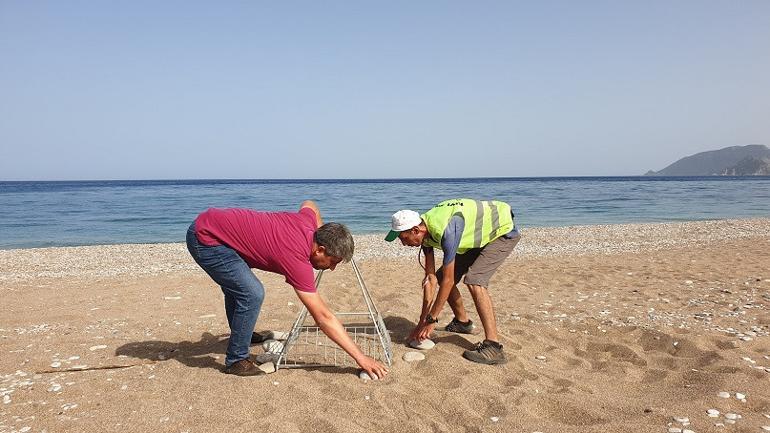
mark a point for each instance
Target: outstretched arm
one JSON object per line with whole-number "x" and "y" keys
{"x": 332, "y": 327}
{"x": 314, "y": 207}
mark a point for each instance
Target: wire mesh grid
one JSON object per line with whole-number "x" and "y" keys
{"x": 308, "y": 346}
{"x": 313, "y": 348}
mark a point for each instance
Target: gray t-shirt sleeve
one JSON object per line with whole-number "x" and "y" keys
{"x": 450, "y": 242}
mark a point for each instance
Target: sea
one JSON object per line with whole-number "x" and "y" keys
{"x": 71, "y": 213}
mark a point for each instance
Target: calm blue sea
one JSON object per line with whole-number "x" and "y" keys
{"x": 39, "y": 214}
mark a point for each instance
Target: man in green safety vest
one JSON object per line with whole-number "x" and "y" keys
{"x": 476, "y": 236}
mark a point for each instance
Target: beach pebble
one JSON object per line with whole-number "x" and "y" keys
{"x": 674, "y": 430}
{"x": 365, "y": 376}
{"x": 713, "y": 413}
{"x": 494, "y": 418}
{"x": 172, "y": 298}
{"x": 55, "y": 387}
{"x": 280, "y": 335}
{"x": 766, "y": 427}
{"x": 422, "y": 345}
{"x": 731, "y": 416}
{"x": 681, "y": 419}
{"x": 272, "y": 346}
{"x": 724, "y": 394}
{"x": 413, "y": 356}
{"x": 100, "y": 346}
{"x": 740, "y": 396}
{"x": 540, "y": 357}
{"x": 56, "y": 364}
{"x": 267, "y": 367}
{"x": 687, "y": 431}
{"x": 6, "y": 399}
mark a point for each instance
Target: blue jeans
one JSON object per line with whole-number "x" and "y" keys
{"x": 243, "y": 292}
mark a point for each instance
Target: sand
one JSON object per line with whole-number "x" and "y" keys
{"x": 607, "y": 329}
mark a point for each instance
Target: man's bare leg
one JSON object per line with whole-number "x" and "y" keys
{"x": 486, "y": 312}
{"x": 456, "y": 304}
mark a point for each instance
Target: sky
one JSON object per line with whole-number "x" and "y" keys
{"x": 256, "y": 90}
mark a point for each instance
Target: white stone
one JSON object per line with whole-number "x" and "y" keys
{"x": 494, "y": 418}
{"x": 365, "y": 376}
{"x": 413, "y": 356}
{"x": 713, "y": 413}
{"x": 279, "y": 335}
{"x": 55, "y": 387}
{"x": 688, "y": 281}
{"x": 766, "y": 427}
{"x": 267, "y": 367}
{"x": 97, "y": 347}
{"x": 740, "y": 396}
{"x": 724, "y": 394}
{"x": 681, "y": 419}
{"x": 422, "y": 345}
{"x": 540, "y": 357}
{"x": 731, "y": 416}
{"x": 674, "y": 430}
{"x": 687, "y": 431}
{"x": 172, "y": 298}
{"x": 56, "y": 364}
{"x": 6, "y": 399}
{"x": 272, "y": 346}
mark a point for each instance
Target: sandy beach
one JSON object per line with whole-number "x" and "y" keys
{"x": 619, "y": 328}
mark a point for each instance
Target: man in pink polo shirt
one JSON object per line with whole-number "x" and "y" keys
{"x": 227, "y": 243}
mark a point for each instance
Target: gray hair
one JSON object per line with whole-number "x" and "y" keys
{"x": 337, "y": 240}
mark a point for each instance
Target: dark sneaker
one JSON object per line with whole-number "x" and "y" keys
{"x": 244, "y": 367}
{"x": 460, "y": 327}
{"x": 261, "y": 336}
{"x": 486, "y": 352}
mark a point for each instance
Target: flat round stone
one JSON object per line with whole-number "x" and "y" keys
{"x": 740, "y": 396}
{"x": 413, "y": 356}
{"x": 681, "y": 419}
{"x": 267, "y": 367}
{"x": 422, "y": 345}
{"x": 724, "y": 394}
{"x": 365, "y": 376}
{"x": 674, "y": 430}
{"x": 280, "y": 335}
{"x": 713, "y": 413}
{"x": 272, "y": 346}
{"x": 731, "y": 416}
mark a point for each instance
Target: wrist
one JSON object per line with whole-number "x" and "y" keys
{"x": 430, "y": 320}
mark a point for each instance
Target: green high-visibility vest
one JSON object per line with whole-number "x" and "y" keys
{"x": 485, "y": 221}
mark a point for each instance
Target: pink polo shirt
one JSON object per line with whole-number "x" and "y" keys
{"x": 278, "y": 242}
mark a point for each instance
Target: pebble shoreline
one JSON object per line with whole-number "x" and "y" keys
{"x": 156, "y": 259}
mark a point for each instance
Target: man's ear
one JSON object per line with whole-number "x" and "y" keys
{"x": 321, "y": 250}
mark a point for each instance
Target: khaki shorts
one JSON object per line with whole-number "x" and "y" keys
{"x": 479, "y": 264}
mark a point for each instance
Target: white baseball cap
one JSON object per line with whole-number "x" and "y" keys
{"x": 402, "y": 220}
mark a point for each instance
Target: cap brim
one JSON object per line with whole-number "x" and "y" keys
{"x": 392, "y": 236}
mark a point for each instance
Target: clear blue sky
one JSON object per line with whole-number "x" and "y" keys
{"x": 161, "y": 90}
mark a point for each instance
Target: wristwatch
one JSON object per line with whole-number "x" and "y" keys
{"x": 430, "y": 319}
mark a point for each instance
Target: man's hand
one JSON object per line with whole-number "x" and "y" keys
{"x": 374, "y": 369}
{"x": 424, "y": 330}
{"x": 415, "y": 332}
